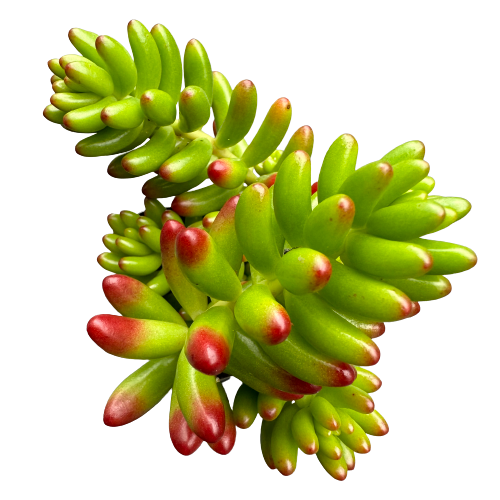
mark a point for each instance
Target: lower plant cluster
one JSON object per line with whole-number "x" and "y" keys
{"x": 194, "y": 303}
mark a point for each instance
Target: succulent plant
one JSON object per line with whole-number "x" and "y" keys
{"x": 262, "y": 275}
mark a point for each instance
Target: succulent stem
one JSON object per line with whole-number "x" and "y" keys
{"x": 251, "y": 177}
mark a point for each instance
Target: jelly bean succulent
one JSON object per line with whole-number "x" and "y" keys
{"x": 261, "y": 275}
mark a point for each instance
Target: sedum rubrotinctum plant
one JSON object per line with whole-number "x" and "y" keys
{"x": 260, "y": 275}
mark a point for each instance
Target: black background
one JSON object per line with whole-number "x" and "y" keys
{"x": 384, "y": 90}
